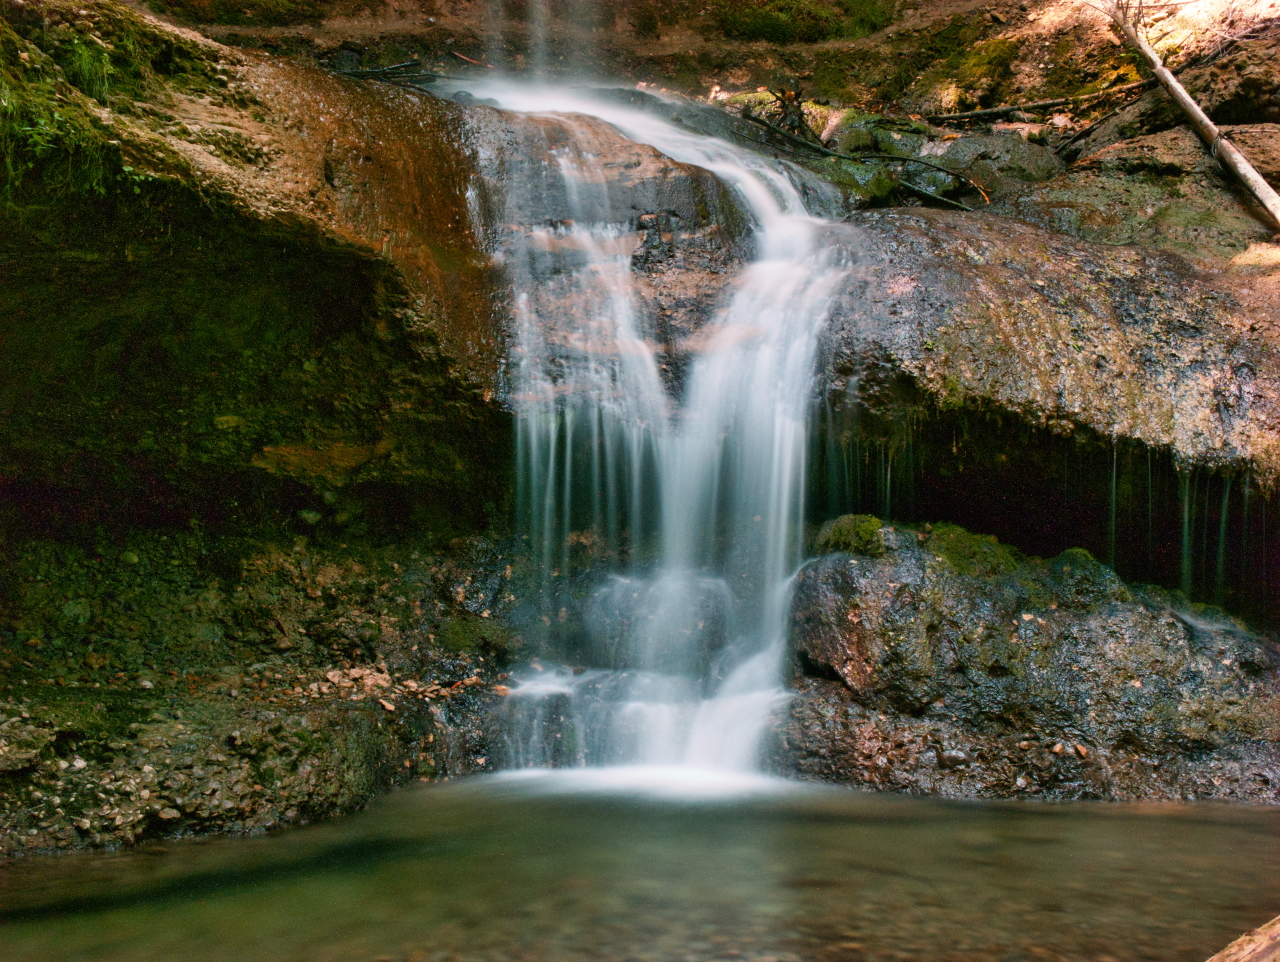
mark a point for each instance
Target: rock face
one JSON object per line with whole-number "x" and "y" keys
{"x": 284, "y": 309}
{"x": 953, "y": 665}
{"x": 1132, "y": 343}
{"x": 1160, "y": 190}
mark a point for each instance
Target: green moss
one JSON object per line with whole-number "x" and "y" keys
{"x": 862, "y": 183}
{"x": 987, "y": 64}
{"x": 55, "y": 63}
{"x": 976, "y": 555}
{"x": 991, "y": 60}
{"x": 797, "y": 21}
{"x": 856, "y": 533}
{"x": 474, "y": 635}
{"x": 46, "y": 139}
{"x": 954, "y": 39}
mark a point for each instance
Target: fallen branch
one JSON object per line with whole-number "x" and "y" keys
{"x": 1127, "y": 15}
{"x": 409, "y": 75}
{"x": 1261, "y": 944}
{"x": 1040, "y": 104}
{"x": 920, "y": 191}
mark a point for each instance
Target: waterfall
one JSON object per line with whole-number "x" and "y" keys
{"x": 698, "y": 485}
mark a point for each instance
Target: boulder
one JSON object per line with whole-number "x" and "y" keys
{"x": 981, "y": 311}
{"x": 954, "y": 665}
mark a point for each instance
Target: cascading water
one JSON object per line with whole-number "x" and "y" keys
{"x": 700, "y": 485}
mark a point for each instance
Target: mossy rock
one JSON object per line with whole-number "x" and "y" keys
{"x": 1083, "y": 581}
{"x": 976, "y": 555}
{"x": 472, "y": 635}
{"x": 855, "y": 533}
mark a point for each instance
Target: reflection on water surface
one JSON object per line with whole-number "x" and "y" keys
{"x": 586, "y": 866}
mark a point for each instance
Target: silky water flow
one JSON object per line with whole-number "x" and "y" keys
{"x": 699, "y": 485}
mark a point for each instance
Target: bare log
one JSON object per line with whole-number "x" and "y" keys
{"x": 1260, "y": 945}
{"x": 1127, "y": 16}
{"x": 1040, "y": 104}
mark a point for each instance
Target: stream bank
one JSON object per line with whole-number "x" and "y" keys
{"x": 281, "y": 332}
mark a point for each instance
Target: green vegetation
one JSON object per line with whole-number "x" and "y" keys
{"x": 798, "y": 21}
{"x": 955, "y": 39}
{"x": 463, "y": 635}
{"x": 855, "y": 533}
{"x": 989, "y": 63}
{"x": 57, "y": 66}
{"x": 976, "y": 555}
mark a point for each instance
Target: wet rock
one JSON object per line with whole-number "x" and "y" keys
{"x": 959, "y": 667}
{"x": 1131, "y": 343}
{"x": 219, "y": 731}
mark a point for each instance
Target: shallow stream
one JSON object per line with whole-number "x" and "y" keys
{"x": 639, "y": 864}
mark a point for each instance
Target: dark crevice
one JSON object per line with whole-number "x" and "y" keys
{"x": 1208, "y": 533}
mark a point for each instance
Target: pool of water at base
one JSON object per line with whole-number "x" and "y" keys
{"x": 661, "y": 865}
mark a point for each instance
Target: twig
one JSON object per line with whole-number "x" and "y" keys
{"x": 932, "y": 196}
{"x": 916, "y": 160}
{"x": 477, "y": 63}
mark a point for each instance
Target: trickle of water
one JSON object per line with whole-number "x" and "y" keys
{"x": 702, "y": 492}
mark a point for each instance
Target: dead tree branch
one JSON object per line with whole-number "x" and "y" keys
{"x": 1128, "y": 16}
{"x": 1039, "y": 104}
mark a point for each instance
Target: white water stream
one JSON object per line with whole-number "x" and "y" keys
{"x": 705, "y": 492}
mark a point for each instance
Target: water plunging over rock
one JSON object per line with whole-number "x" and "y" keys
{"x": 695, "y": 480}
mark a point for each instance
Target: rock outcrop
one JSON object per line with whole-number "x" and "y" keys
{"x": 283, "y": 308}
{"x": 1160, "y": 190}
{"x": 946, "y": 663}
{"x": 1131, "y": 343}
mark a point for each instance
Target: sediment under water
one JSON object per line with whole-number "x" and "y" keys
{"x": 668, "y": 864}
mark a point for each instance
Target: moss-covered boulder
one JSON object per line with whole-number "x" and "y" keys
{"x": 856, "y": 533}
{"x": 955, "y": 665}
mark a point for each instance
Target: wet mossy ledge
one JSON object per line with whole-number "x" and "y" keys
{"x": 165, "y": 685}
{"x": 1205, "y": 532}
{"x": 178, "y": 354}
